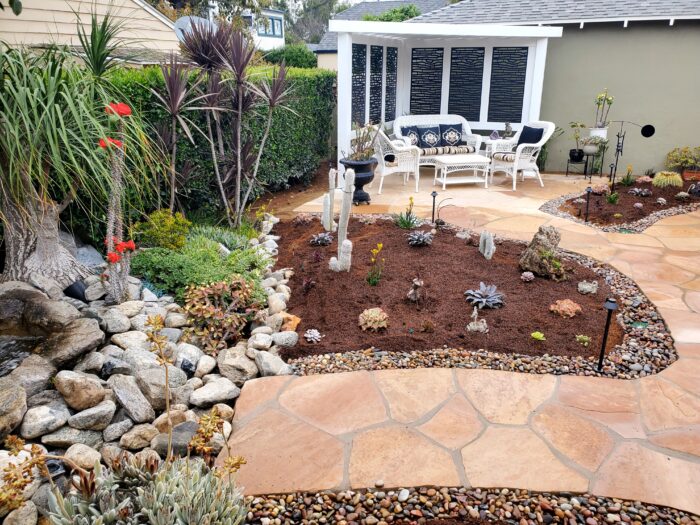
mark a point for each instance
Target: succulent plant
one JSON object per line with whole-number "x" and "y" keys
{"x": 321, "y": 239}
{"x": 527, "y": 277}
{"x": 373, "y": 319}
{"x": 583, "y": 340}
{"x": 565, "y": 308}
{"x": 667, "y": 179}
{"x": 420, "y": 238}
{"x": 682, "y": 196}
{"x": 638, "y": 205}
{"x": 485, "y": 297}
{"x": 538, "y": 336}
{"x": 640, "y": 192}
{"x": 613, "y": 198}
{"x": 313, "y": 336}
{"x": 644, "y": 179}
{"x": 618, "y": 216}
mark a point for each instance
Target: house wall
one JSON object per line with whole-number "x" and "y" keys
{"x": 650, "y": 68}
{"x": 328, "y": 61}
{"x": 53, "y": 21}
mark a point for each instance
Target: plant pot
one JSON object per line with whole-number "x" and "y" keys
{"x": 598, "y": 132}
{"x": 575, "y": 155}
{"x": 691, "y": 175}
{"x": 364, "y": 174}
{"x": 590, "y": 149}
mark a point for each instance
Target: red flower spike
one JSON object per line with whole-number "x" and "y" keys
{"x": 130, "y": 245}
{"x": 113, "y": 258}
{"x": 118, "y": 108}
{"x": 121, "y": 247}
{"x": 110, "y": 141}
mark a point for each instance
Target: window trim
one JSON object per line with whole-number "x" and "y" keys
{"x": 267, "y": 25}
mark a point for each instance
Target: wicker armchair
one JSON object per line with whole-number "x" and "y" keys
{"x": 508, "y": 157}
{"x": 394, "y": 156}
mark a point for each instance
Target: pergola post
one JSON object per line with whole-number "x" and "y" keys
{"x": 344, "y": 95}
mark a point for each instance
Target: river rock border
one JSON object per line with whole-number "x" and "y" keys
{"x": 552, "y": 208}
{"x": 377, "y": 506}
{"x": 647, "y": 347}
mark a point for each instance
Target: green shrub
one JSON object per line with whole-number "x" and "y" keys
{"x": 232, "y": 239}
{"x": 199, "y": 262}
{"x": 613, "y": 198}
{"x": 294, "y": 55}
{"x": 397, "y": 14}
{"x": 163, "y": 229}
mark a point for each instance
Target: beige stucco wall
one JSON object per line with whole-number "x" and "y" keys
{"x": 328, "y": 61}
{"x": 651, "y": 68}
{"x": 53, "y": 21}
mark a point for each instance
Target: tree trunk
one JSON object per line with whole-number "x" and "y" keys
{"x": 173, "y": 173}
{"x": 33, "y": 246}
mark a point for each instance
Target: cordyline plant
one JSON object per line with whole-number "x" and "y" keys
{"x": 177, "y": 99}
{"x": 249, "y": 100}
{"x": 52, "y": 118}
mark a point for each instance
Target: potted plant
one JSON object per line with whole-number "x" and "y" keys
{"x": 591, "y": 144}
{"x": 576, "y": 155}
{"x": 602, "y": 108}
{"x": 685, "y": 160}
{"x": 361, "y": 160}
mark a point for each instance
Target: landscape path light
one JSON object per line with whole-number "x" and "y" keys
{"x": 610, "y": 305}
{"x": 589, "y": 190}
{"x": 434, "y": 195}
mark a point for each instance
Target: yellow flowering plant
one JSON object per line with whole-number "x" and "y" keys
{"x": 407, "y": 220}
{"x": 602, "y": 103}
{"x": 374, "y": 274}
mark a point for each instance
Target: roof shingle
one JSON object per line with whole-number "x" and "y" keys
{"x": 557, "y": 11}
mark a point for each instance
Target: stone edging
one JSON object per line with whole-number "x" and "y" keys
{"x": 645, "y": 350}
{"x": 378, "y": 507}
{"x": 551, "y": 207}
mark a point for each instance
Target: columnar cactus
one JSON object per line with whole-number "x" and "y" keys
{"x": 342, "y": 262}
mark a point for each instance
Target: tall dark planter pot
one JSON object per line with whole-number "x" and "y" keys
{"x": 576, "y": 155}
{"x": 364, "y": 174}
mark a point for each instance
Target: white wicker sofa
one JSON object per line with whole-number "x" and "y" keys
{"x": 468, "y": 142}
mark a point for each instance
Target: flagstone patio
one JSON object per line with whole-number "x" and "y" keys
{"x": 637, "y": 439}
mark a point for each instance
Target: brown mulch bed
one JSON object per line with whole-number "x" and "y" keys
{"x": 602, "y": 213}
{"x": 331, "y": 302}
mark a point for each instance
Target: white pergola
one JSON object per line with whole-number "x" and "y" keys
{"x": 490, "y": 74}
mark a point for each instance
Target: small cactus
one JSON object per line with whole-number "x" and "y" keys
{"x": 667, "y": 179}
{"x": 420, "y": 238}
{"x": 538, "y": 336}
{"x": 321, "y": 239}
{"x": 661, "y": 201}
{"x": 638, "y": 205}
{"x": 373, "y": 319}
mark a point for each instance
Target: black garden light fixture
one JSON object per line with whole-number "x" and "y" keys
{"x": 434, "y": 195}
{"x": 610, "y": 305}
{"x": 589, "y": 190}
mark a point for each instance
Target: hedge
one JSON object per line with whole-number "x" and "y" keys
{"x": 294, "y": 55}
{"x": 299, "y": 139}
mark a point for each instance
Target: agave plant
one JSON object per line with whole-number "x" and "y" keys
{"x": 485, "y": 297}
{"x": 420, "y": 238}
{"x": 321, "y": 239}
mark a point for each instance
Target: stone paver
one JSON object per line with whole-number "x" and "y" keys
{"x": 356, "y": 404}
{"x": 508, "y": 400}
{"x": 399, "y": 456}
{"x": 632, "y": 439}
{"x": 513, "y": 457}
{"x": 410, "y": 397}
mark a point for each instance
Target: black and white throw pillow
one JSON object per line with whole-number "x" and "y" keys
{"x": 450, "y": 134}
{"x": 410, "y": 132}
{"x": 428, "y": 136}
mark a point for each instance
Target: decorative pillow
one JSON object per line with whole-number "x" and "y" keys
{"x": 530, "y": 135}
{"x": 428, "y": 136}
{"x": 410, "y": 132}
{"x": 450, "y": 134}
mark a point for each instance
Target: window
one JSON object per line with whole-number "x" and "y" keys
{"x": 270, "y": 26}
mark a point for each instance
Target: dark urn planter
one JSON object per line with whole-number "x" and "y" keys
{"x": 576, "y": 155}
{"x": 364, "y": 174}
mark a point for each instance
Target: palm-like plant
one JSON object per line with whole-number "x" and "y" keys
{"x": 100, "y": 45}
{"x": 247, "y": 97}
{"x": 177, "y": 99}
{"x": 52, "y": 117}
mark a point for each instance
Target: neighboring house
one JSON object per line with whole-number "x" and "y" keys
{"x": 327, "y": 49}
{"x": 645, "y": 53}
{"x": 148, "y": 33}
{"x": 267, "y": 27}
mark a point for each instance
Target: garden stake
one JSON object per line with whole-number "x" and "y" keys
{"x": 434, "y": 195}
{"x": 610, "y": 305}
{"x": 588, "y": 200}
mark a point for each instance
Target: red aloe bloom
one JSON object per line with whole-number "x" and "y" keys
{"x": 119, "y": 108}
{"x": 110, "y": 141}
{"x": 113, "y": 257}
{"x": 130, "y": 245}
{"x": 120, "y": 247}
